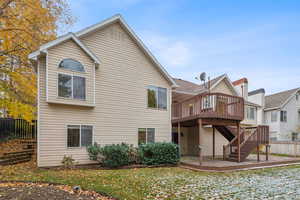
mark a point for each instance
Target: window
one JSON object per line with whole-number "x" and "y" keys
{"x": 79, "y": 135}
{"x": 146, "y": 135}
{"x": 208, "y": 102}
{"x": 70, "y": 86}
{"x": 283, "y": 116}
{"x": 274, "y": 116}
{"x": 251, "y": 112}
{"x": 191, "y": 109}
{"x": 157, "y": 97}
{"x": 71, "y": 64}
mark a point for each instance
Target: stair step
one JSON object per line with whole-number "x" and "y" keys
{"x": 13, "y": 162}
{"x": 20, "y": 152}
{"x": 15, "y": 157}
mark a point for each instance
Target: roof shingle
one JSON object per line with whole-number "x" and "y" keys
{"x": 276, "y": 100}
{"x": 187, "y": 86}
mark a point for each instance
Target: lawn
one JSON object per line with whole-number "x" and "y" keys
{"x": 170, "y": 183}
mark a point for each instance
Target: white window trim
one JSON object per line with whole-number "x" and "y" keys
{"x": 276, "y": 116}
{"x": 157, "y": 108}
{"x": 72, "y": 95}
{"x": 80, "y": 146}
{"x": 146, "y": 135}
{"x": 249, "y": 113}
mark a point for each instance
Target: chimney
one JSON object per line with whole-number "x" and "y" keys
{"x": 241, "y": 86}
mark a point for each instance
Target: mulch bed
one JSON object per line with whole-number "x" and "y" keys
{"x": 43, "y": 191}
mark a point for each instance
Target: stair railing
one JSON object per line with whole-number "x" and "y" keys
{"x": 228, "y": 149}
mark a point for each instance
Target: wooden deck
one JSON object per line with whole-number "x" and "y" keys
{"x": 210, "y": 106}
{"x": 250, "y": 163}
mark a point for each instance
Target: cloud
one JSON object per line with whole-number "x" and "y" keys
{"x": 170, "y": 51}
{"x": 260, "y": 53}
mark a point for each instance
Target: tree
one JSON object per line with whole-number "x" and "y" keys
{"x": 24, "y": 26}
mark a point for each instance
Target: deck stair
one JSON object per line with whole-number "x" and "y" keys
{"x": 250, "y": 139}
{"x": 25, "y": 155}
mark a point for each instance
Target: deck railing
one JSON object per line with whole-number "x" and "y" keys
{"x": 210, "y": 105}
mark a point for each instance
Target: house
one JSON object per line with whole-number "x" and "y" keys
{"x": 102, "y": 85}
{"x": 281, "y": 112}
{"x": 208, "y": 120}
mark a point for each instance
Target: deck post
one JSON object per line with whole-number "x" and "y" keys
{"x": 200, "y": 148}
{"x": 179, "y": 136}
{"x": 267, "y": 152}
{"x": 214, "y": 143}
{"x": 239, "y": 141}
{"x": 257, "y": 145}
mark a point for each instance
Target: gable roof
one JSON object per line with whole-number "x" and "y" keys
{"x": 72, "y": 36}
{"x": 111, "y": 20}
{"x": 279, "y": 99}
{"x": 193, "y": 88}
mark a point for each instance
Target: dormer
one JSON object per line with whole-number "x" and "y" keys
{"x": 70, "y": 71}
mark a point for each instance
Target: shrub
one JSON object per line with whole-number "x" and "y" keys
{"x": 159, "y": 153}
{"x": 68, "y": 162}
{"x": 112, "y": 156}
{"x": 94, "y": 151}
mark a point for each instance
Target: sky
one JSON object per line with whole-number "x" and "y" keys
{"x": 256, "y": 39}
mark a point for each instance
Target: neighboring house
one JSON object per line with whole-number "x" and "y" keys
{"x": 281, "y": 113}
{"x": 101, "y": 85}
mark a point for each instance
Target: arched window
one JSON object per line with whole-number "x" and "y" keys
{"x": 71, "y": 64}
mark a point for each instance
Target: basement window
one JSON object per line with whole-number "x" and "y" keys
{"x": 79, "y": 135}
{"x": 146, "y": 135}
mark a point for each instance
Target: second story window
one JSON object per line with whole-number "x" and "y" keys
{"x": 251, "y": 112}
{"x": 283, "y": 116}
{"x": 71, "y": 86}
{"x": 71, "y": 64}
{"x": 157, "y": 97}
{"x": 274, "y": 116}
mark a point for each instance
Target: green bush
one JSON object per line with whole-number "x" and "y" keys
{"x": 112, "y": 156}
{"x": 94, "y": 151}
{"x": 159, "y": 153}
{"x": 117, "y": 155}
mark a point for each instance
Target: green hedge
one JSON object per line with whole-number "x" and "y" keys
{"x": 159, "y": 153}
{"x": 112, "y": 156}
{"x": 118, "y": 155}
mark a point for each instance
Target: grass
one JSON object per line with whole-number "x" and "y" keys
{"x": 169, "y": 183}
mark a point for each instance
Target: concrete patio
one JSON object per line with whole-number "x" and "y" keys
{"x": 250, "y": 163}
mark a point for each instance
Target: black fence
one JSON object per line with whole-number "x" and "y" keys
{"x": 17, "y": 128}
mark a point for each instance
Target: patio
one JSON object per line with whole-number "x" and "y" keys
{"x": 250, "y": 163}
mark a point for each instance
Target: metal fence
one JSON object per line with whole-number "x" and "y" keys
{"x": 17, "y": 128}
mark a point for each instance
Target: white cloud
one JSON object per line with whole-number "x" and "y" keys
{"x": 171, "y": 52}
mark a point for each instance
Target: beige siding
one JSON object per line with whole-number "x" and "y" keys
{"x": 121, "y": 99}
{"x": 223, "y": 87}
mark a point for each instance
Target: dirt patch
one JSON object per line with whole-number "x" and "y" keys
{"x": 28, "y": 191}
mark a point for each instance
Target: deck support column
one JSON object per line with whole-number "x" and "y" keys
{"x": 200, "y": 148}
{"x": 179, "y": 137}
{"x": 257, "y": 145}
{"x": 267, "y": 152}
{"x": 214, "y": 142}
{"x": 239, "y": 141}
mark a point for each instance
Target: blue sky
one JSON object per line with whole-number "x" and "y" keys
{"x": 257, "y": 39}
